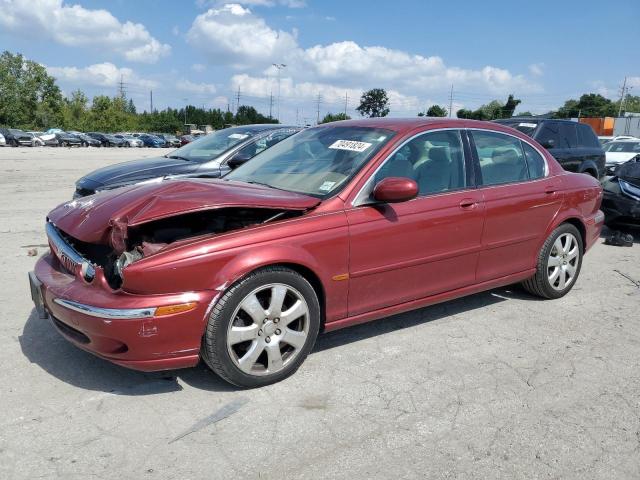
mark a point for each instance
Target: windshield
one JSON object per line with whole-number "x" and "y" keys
{"x": 208, "y": 147}
{"x": 316, "y": 162}
{"x": 522, "y": 125}
{"x": 622, "y": 147}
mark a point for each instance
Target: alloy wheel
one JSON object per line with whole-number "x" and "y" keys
{"x": 268, "y": 330}
{"x": 562, "y": 264}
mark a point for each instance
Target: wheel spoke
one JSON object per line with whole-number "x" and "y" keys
{"x": 568, "y": 243}
{"x": 249, "y": 359}
{"x": 571, "y": 270}
{"x": 252, "y": 307}
{"x": 563, "y": 278}
{"x": 243, "y": 334}
{"x": 294, "y": 338}
{"x": 554, "y": 276}
{"x": 296, "y": 311}
{"x": 554, "y": 262}
{"x": 277, "y": 299}
{"x": 558, "y": 246}
{"x": 274, "y": 356}
{"x": 573, "y": 253}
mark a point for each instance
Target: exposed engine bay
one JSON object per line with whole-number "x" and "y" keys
{"x": 130, "y": 244}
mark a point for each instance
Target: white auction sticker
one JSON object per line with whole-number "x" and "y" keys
{"x": 530, "y": 125}
{"x": 351, "y": 145}
{"x": 238, "y": 135}
{"x": 326, "y": 186}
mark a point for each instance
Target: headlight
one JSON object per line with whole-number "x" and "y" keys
{"x": 127, "y": 258}
{"x": 629, "y": 189}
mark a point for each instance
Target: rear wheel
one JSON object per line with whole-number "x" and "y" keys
{"x": 262, "y": 328}
{"x": 558, "y": 265}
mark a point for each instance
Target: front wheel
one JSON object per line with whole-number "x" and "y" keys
{"x": 262, "y": 328}
{"x": 558, "y": 265}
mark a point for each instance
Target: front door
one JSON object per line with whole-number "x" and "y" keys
{"x": 405, "y": 251}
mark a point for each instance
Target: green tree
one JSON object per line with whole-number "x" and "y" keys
{"x": 589, "y": 105}
{"x": 374, "y": 103}
{"x": 437, "y": 111}
{"x": 247, "y": 115}
{"x": 491, "y": 110}
{"x": 29, "y": 96}
{"x": 335, "y": 117}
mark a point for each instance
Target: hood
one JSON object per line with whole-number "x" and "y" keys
{"x": 91, "y": 219}
{"x": 138, "y": 170}
{"x": 615, "y": 158}
{"x": 630, "y": 172}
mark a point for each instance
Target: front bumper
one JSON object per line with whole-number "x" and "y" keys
{"x": 117, "y": 326}
{"x": 620, "y": 209}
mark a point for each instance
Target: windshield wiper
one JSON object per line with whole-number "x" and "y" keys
{"x": 253, "y": 182}
{"x": 178, "y": 157}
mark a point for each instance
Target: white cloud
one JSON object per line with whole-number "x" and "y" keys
{"x": 99, "y": 75}
{"x": 234, "y": 35}
{"x": 198, "y": 67}
{"x": 536, "y": 69}
{"x": 188, "y": 86}
{"x": 254, "y": 3}
{"x": 74, "y": 25}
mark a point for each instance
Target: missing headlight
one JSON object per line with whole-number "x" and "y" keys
{"x": 125, "y": 259}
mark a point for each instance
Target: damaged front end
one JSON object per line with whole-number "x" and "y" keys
{"x": 97, "y": 238}
{"x": 129, "y": 244}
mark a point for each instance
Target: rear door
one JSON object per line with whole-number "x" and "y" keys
{"x": 404, "y": 251}
{"x": 520, "y": 201}
{"x": 556, "y": 142}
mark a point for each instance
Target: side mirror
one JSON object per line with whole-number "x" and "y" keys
{"x": 395, "y": 189}
{"x": 549, "y": 144}
{"x": 238, "y": 159}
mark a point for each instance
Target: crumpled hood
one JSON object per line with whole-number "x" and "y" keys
{"x": 615, "y": 158}
{"x": 90, "y": 219}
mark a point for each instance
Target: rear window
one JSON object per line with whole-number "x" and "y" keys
{"x": 569, "y": 135}
{"x": 587, "y": 137}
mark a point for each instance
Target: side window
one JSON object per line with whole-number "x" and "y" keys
{"x": 568, "y": 135}
{"x": 549, "y": 134}
{"x": 435, "y": 160}
{"x": 501, "y": 158}
{"x": 535, "y": 162}
{"x": 586, "y": 137}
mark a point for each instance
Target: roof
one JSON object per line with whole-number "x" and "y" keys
{"x": 533, "y": 119}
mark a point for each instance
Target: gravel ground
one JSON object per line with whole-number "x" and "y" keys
{"x": 496, "y": 385}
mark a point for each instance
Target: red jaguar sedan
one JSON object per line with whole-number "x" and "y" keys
{"x": 337, "y": 225}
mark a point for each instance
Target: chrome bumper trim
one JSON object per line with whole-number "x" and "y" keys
{"x": 65, "y": 251}
{"x": 109, "y": 313}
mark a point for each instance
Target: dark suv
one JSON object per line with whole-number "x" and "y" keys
{"x": 574, "y": 145}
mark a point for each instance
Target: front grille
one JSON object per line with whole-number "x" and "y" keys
{"x": 70, "y": 332}
{"x": 68, "y": 256}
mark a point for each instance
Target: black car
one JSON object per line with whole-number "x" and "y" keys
{"x": 621, "y": 201}
{"x": 107, "y": 140}
{"x": 574, "y": 145}
{"x": 210, "y": 156}
{"x": 68, "y": 140}
{"x": 86, "y": 140}
{"x": 16, "y": 137}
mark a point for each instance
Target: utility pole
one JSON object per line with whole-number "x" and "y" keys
{"x": 185, "y": 109}
{"x": 451, "y": 100}
{"x": 151, "y": 99}
{"x": 346, "y": 101}
{"x": 622, "y": 95}
{"x": 238, "y": 100}
{"x": 271, "y": 104}
{"x": 318, "y": 102}
{"x": 297, "y": 117}
{"x": 279, "y": 66}
{"x": 121, "y": 88}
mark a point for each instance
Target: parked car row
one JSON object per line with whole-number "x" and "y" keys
{"x": 56, "y": 137}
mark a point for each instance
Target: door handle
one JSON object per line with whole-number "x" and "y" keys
{"x": 550, "y": 189}
{"x": 468, "y": 203}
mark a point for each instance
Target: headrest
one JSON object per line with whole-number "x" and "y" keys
{"x": 506, "y": 155}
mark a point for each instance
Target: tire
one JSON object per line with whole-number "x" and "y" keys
{"x": 265, "y": 342}
{"x": 557, "y": 256}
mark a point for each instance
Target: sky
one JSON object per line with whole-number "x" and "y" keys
{"x": 206, "y": 52}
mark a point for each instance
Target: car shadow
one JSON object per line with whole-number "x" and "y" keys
{"x": 45, "y": 347}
